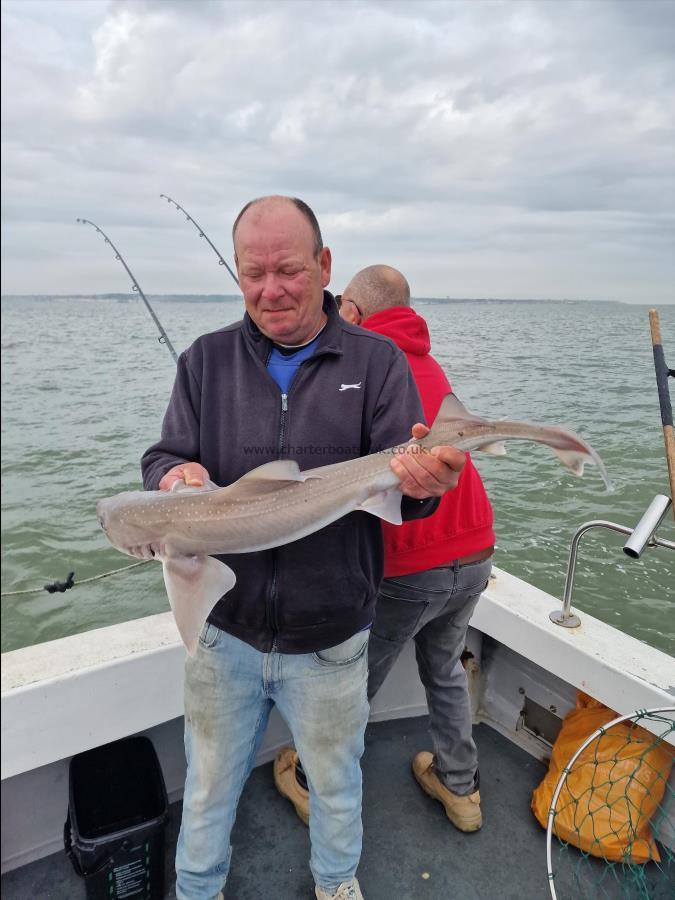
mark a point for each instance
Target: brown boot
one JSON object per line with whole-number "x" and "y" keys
{"x": 287, "y": 783}
{"x": 463, "y": 811}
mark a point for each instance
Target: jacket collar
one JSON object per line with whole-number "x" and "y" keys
{"x": 330, "y": 339}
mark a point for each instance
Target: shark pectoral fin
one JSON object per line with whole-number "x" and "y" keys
{"x": 496, "y": 448}
{"x": 194, "y": 585}
{"x": 386, "y": 505}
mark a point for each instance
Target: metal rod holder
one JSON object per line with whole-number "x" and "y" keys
{"x": 641, "y": 536}
{"x": 644, "y": 531}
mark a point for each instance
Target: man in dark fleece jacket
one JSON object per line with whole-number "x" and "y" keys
{"x": 435, "y": 570}
{"x": 290, "y": 381}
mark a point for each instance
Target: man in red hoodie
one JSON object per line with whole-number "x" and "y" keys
{"x": 435, "y": 570}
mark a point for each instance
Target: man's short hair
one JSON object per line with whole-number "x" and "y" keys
{"x": 306, "y": 211}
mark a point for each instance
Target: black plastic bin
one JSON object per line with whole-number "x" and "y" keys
{"x": 117, "y": 811}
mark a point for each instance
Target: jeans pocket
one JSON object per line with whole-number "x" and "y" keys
{"x": 397, "y": 620}
{"x": 344, "y": 654}
{"x": 474, "y": 578}
{"x": 209, "y": 636}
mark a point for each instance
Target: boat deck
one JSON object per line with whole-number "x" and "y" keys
{"x": 410, "y": 850}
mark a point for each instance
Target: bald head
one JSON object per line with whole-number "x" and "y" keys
{"x": 262, "y": 206}
{"x": 281, "y": 275}
{"x": 378, "y": 287}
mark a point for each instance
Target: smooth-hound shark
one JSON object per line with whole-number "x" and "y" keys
{"x": 277, "y": 503}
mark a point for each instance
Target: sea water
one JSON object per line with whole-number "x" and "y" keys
{"x": 85, "y": 383}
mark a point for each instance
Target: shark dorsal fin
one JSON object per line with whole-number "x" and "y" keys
{"x": 277, "y": 470}
{"x": 266, "y": 478}
{"x": 452, "y": 409}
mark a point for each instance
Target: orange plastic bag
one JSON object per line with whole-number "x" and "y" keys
{"x": 613, "y": 789}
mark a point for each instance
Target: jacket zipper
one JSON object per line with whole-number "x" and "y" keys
{"x": 272, "y": 606}
{"x": 282, "y": 425}
{"x": 273, "y": 587}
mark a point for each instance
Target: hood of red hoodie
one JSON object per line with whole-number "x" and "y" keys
{"x": 402, "y": 324}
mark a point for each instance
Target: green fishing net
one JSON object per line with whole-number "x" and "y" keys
{"x": 612, "y": 824}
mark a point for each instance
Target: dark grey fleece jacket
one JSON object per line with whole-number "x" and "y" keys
{"x": 227, "y": 413}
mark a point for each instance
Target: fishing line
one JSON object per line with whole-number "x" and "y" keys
{"x": 164, "y": 338}
{"x": 62, "y": 586}
{"x": 202, "y": 234}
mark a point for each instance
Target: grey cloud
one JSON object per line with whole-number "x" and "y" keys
{"x": 483, "y": 129}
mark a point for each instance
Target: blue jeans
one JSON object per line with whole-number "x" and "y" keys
{"x": 434, "y": 608}
{"x": 229, "y": 691}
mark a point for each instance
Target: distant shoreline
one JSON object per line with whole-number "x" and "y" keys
{"x": 220, "y": 298}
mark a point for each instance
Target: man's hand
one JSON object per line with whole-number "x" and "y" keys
{"x": 192, "y": 473}
{"x": 427, "y": 473}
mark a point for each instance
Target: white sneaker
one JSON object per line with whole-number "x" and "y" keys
{"x": 348, "y": 890}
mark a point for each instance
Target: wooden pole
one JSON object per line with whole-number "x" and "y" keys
{"x": 662, "y": 373}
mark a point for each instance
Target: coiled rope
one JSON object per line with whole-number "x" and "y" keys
{"x": 62, "y": 586}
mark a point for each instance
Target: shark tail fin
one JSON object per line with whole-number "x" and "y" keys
{"x": 575, "y": 458}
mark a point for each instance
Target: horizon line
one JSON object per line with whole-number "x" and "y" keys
{"x": 109, "y": 295}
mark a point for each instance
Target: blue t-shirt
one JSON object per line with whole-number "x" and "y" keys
{"x": 285, "y": 362}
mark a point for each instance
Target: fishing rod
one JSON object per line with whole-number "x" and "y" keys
{"x": 164, "y": 338}
{"x": 662, "y": 375}
{"x": 202, "y": 234}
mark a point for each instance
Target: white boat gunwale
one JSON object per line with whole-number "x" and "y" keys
{"x": 66, "y": 696}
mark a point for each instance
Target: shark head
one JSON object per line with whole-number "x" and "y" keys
{"x": 126, "y": 526}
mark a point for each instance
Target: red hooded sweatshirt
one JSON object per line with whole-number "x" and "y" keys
{"x": 462, "y": 524}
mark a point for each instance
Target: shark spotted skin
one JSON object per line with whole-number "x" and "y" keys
{"x": 277, "y": 503}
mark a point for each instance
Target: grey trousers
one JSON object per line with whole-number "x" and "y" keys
{"x": 434, "y": 608}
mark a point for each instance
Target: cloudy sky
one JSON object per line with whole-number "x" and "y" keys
{"x": 502, "y": 149}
